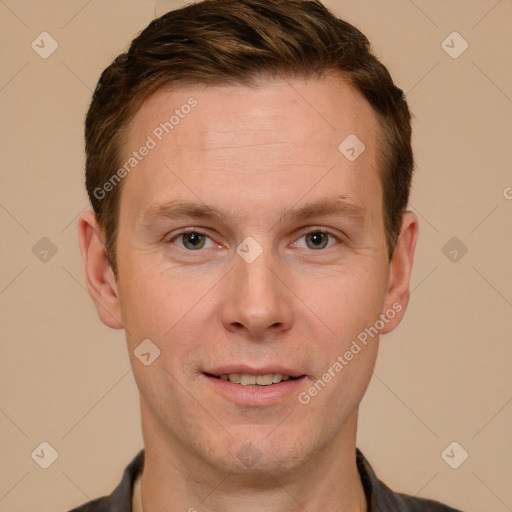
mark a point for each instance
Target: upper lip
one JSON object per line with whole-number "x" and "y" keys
{"x": 250, "y": 370}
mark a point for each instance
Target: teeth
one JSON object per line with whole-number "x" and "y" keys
{"x": 255, "y": 380}
{"x": 247, "y": 380}
{"x": 234, "y": 377}
{"x": 264, "y": 380}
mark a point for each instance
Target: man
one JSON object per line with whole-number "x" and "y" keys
{"x": 249, "y": 165}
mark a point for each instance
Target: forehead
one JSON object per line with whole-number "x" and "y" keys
{"x": 324, "y": 106}
{"x": 280, "y": 138}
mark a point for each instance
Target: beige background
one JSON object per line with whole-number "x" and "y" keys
{"x": 444, "y": 375}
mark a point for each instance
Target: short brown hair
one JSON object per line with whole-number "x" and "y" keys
{"x": 218, "y": 42}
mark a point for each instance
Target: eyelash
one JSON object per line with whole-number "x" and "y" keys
{"x": 168, "y": 240}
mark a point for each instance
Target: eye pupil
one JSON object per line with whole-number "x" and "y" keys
{"x": 194, "y": 239}
{"x": 318, "y": 238}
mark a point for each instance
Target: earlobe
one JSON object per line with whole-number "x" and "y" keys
{"x": 98, "y": 274}
{"x": 397, "y": 296}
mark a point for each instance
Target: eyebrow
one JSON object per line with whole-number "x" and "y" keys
{"x": 179, "y": 208}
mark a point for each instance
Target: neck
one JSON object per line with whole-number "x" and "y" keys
{"x": 175, "y": 480}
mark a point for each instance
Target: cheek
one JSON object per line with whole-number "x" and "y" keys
{"x": 351, "y": 303}
{"x": 346, "y": 359}
{"x": 169, "y": 313}
{"x": 150, "y": 302}
{"x": 347, "y": 351}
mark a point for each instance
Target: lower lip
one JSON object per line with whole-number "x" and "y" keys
{"x": 256, "y": 395}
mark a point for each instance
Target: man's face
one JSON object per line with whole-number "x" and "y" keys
{"x": 256, "y": 290}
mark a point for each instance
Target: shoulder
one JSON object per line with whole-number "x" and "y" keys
{"x": 98, "y": 505}
{"x": 121, "y": 498}
{"x": 381, "y": 498}
{"x": 388, "y": 500}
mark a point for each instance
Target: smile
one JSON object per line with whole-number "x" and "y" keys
{"x": 253, "y": 380}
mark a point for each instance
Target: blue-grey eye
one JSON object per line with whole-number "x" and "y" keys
{"x": 193, "y": 240}
{"x": 318, "y": 239}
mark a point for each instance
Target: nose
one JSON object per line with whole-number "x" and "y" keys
{"x": 257, "y": 302}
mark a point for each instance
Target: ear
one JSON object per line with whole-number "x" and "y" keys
{"x": 397, "y": 295}
{"x": 98, "y": 273}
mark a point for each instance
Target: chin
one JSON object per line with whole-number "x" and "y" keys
{"x": 263, "y": 453}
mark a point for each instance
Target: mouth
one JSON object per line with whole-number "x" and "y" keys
{"x": 254, "y": 387}
{"x": 246, "y": 379}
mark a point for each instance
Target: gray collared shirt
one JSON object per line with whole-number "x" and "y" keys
{"x": 378, "y": 496}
